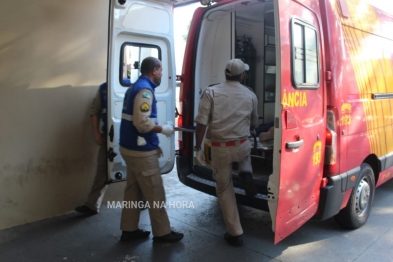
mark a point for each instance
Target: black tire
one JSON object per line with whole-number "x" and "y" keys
{"x": 358, "y": 209}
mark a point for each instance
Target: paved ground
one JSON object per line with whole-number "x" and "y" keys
{"x": 72, "y": 237}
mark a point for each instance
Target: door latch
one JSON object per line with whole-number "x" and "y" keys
{"x": 111, "y": 154}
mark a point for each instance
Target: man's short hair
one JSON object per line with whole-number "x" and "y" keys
{"x": 149, "y": 64}
{"x": 233, "y": 78}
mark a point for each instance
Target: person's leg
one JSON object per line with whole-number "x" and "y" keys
{"x": 241, "y": 154}
{"x": 222, "y": 174}
{"x": 99, "y": 187}
{"x": 150, "y": 181}
{"x": 132, "y": 194}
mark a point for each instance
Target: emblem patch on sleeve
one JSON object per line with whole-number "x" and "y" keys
{"x": 145, "y": 107}
{"x": 146, "y": 95}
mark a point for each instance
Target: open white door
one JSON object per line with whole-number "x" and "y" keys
{"x": 138, "y": 29}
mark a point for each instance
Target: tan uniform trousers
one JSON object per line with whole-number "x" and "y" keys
{"x": 98, "y": 189}
{"x": 144, "y": 180}
{"x": 222, "y": 158}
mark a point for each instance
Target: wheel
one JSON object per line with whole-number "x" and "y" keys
{"x": 358, "y": 209}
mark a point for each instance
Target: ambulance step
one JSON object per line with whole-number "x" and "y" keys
{"x": 238, "y": 191}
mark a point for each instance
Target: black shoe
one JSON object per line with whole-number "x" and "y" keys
{"x": 171, "y": 237}
{"x": 236, "y": 241}
{"x": 85, "y": 210}
{"x": 248, "y": 184}
{"x": 144, "y": 206}
{"x": 127, "y": 236}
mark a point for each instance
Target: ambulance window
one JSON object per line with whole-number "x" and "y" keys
{"x": 305, "y": 59}
{"x": 131, "y": 57}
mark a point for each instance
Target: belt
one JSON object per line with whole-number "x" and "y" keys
{"x": 229, "y": 143}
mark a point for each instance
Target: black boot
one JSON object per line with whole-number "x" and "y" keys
{"x": 171, "y": 237}
{"x": 85, "y": 210}
{"x": 128, "y": 236}
{"x": 236, "y": 241}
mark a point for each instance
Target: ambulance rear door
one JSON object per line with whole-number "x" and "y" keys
{"x": 138, "y": 29}
{"x": 294, "y": 186}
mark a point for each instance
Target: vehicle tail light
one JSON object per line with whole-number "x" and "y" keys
{"x": 179, "y": 124}
{"x": 331, "y": 143}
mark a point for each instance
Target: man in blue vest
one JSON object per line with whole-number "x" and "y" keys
{"x": 98, "y": 114}
{"x": 139, "y": 148}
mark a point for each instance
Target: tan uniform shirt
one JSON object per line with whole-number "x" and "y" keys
{"x": 141, "y": 119}
{"x": 95, "y": 108}
{"x": 230, "y": 110}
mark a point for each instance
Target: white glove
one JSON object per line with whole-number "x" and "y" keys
{"x": 141, "y": 141}
{"x": 167, "y": 130}
{"x": 200, "y": 156}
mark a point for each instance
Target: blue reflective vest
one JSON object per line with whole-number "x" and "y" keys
{"x": 128, "y": 132}
{"x": 103, "y": 97}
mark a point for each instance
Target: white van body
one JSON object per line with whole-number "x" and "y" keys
{"x": 138, "y": 29}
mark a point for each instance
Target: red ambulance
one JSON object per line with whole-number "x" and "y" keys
{"x": 323, "y": 74}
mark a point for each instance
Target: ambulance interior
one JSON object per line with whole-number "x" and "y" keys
{"x": 242, "y": 30}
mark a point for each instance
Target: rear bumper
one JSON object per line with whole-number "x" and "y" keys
{"x": 332, "y": 195}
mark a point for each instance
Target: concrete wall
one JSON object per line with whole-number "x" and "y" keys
{"x": 52, "y": 59}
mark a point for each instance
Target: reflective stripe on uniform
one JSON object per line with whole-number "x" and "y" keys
{"x": 126, "y": 117}
{"x": 129, "y": 117}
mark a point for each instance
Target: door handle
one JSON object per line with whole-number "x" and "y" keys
{"x": 297, "y": 144}
{"x": 111, "y": 133}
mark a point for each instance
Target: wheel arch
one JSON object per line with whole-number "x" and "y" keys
{"x": 375, "y": 164}
{"x": 358, "y": 208}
